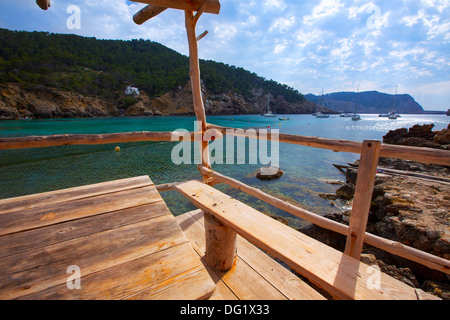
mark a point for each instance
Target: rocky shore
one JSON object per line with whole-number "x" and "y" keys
{"x": 43, "y": 102}
{"x": 413, "y": 210}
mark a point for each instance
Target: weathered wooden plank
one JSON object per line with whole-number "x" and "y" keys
{"x": 49, "y": 235}
{"x": 34, "y": 271}
{"x": 269, "y": 274}
{"x": 59, "y": 212}
{"x": 45, "y": 198}
{"x": 174, "y": 273}
{"x": 363, "y": 198}
{"x": 340, "y": 275}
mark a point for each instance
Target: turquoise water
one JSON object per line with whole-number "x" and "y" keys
{"x": 30, "y": 171}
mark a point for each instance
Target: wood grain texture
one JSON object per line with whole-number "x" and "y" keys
{"x": 120, "y": 234}
{"x": 256, "y": 275}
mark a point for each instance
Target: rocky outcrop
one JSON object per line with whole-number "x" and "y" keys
{"x": 404, "y": 209}
{"x": 45, "y": 102}
{"x": 420, "y": 136}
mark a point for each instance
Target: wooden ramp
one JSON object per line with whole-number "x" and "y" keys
{"x": 342, "y": 276}
{"x": 254, "y": 276}
{"x": 113, "y": 240}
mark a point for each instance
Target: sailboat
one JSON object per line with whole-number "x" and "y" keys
{"x": 268, "y": 112}
{"x": 392, "y": 114}
{"x": 320, "y": 114}
{"x": 356, "y": 117}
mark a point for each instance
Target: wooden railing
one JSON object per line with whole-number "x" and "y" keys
{"x": 355, "y": 232}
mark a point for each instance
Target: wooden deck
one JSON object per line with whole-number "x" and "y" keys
{"x": 255, "y": 275}
{"x": 118, "y": 240}
{"x": 113, "y": 240}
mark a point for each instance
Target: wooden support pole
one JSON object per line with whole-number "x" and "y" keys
{"x": 196, "y": 85}
{"x": 370, "y": 155}
{"x": 220, "y": 244}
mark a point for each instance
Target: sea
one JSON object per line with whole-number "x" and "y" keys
{"x": 307, "y": 171}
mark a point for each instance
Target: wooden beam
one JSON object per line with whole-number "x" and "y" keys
{"x": 200, "y": 37}
{"x": 147, "y": 13}
{"x": 84, "y": 139}
{"x": 211, "y": 6}
{"x": 363, "y": 198}
{"x": 43, "y": 4}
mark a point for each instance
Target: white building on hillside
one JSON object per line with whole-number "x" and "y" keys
{"x": 132, "y": 90}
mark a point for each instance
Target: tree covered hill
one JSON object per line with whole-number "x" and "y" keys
{"x": 104, "y": 68}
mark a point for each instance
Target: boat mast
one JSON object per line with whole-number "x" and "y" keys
{"x": 393, "y": 102}
{"x": 356, "y": 103}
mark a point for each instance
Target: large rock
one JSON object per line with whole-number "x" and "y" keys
{"x": 442, "y": 137}
{"x": 269, "y": 173}
{"x": 420, "y": 136}
{"x": 347, "y": 191}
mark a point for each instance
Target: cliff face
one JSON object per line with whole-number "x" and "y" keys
{"x": 179, "y": 102}
{"x": 47, "y": 102}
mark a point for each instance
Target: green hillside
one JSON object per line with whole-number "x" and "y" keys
{"x": 104, "y": 68}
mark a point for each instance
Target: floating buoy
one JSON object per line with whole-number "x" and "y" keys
{"x": 117, "y": 149}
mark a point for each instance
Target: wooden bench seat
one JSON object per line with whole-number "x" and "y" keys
{"x": 342, "y": 276}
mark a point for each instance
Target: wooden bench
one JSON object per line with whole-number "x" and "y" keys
{"x": 342, "y": 276}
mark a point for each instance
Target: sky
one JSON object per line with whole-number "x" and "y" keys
{"x": 310, "y": 45}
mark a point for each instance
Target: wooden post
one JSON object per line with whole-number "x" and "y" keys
{"x": 191, "y": 21}
{"x": 370, "y": 154}
{"x": 220, "y": 244}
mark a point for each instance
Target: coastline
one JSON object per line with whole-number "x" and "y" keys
{"x": 409, "y": 209}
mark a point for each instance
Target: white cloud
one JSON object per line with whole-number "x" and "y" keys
{"x": 274, "y": 5}
{"x": 440, "y": 5}
{"x": 282, "y": 24}
{"x": 326, "y": 8}
{"x": 279, "y": 48}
